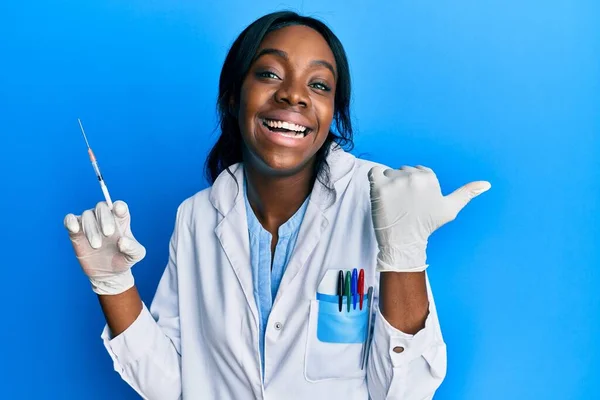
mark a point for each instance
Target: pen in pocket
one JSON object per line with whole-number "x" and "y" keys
{"x": 351, "y": 285}
{"x": 348, "y": 287}
{"x": 361, "y": 287}
{"x": 354, "y": 287}
{"x": 368, "y": 338}
{"x": 340, "y": 290}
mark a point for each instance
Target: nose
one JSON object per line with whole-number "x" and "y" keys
{"x": 294, "y": 93}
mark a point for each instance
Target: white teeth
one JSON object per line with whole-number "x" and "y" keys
{"x": 285, "y": 125}
{"x": 291, "y": 135}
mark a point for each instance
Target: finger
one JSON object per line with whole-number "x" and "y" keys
{"x": 121, "y": 213}
{"x": 105, "y": 218}
{"x": 376, "y": 175}
{"x": 397, "y": 173}
{"x": 73, "y": 225}
{"x": 423, "y": 168}
{"x": 131, "y": 249}
{"x": 407, "y": 168}
{"x": 90, "y": 229}
{"x": 120, "y": 209}
{"x": 463, "y": 195}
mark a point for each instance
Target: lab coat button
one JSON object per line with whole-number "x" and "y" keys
{"x": 278, "y": 325}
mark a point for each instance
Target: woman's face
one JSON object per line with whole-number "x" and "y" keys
{"x": 287, "y": 100}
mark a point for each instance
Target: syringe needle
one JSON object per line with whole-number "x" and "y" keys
{"x": 82, "y": 131}
{"x": 99, "y": 175}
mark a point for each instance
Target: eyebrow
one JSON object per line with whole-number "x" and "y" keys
{"x": 284, "y": 55}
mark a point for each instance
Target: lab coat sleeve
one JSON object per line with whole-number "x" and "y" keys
{"x": 147, "y": 354}
{"x": 417, "y": 371}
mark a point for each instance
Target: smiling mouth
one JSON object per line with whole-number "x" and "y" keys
{"x": 285, "y": 128}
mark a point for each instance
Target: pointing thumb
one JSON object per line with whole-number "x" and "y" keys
{"x": 462, "y": 196}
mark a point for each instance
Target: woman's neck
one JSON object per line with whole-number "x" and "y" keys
{"x": 275, "y": 199}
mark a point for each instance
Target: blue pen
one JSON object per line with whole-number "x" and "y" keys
{"x": 354, "y": 287}
{"x": 348, "y": 287}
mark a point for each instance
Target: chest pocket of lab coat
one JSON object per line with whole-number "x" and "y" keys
{"x": 335, "y": 339}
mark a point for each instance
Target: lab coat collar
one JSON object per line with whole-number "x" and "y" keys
{"x": 227, "y": 196}
{"x": 227, "y": 190}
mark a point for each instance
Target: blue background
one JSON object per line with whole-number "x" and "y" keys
{"x": 496, "y": 90}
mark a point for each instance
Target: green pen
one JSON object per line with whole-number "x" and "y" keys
{"x": 347, "y": 288}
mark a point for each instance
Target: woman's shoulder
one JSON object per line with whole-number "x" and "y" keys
{"x": 192, "y": 205}
{"x": 356, "y": 167}
{"x": 359, "y": 188}
{"x": 360, "y": 176}
{"x": 364, "y": 164}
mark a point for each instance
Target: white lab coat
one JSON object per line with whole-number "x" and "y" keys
{"x": 200, "y": 337}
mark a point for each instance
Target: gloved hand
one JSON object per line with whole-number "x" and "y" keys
{"x": 407, "y": 206}
{"x": 105, "y": 246}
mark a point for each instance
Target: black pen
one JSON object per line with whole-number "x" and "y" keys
{"x": 340, "y": 290}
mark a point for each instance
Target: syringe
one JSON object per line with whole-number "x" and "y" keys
{"x": 97, "y": 169}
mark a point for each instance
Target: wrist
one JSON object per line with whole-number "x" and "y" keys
{"x": 113, "y": 284}
{"x": 412, "y": 258}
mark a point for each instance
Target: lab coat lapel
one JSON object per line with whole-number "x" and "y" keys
{"x": 316, "y": 219}
{"x": 313, "y": 225}
{"x": 232, "y": 230}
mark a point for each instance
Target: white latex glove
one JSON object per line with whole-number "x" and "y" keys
{"x": 105, "y": 246}
{"x": 407, "y": 206}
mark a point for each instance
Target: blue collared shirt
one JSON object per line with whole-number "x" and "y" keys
{"x": 265, "y": 279}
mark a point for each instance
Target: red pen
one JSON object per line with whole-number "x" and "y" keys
{"x": 361, "y": 287}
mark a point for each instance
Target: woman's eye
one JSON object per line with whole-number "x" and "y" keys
{"x": 320, "y": 86}
{"x": 267, "y": 75}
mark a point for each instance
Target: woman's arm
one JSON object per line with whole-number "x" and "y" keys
{"x": 403, "y": 300}
{"x": 408, "y": 355}
{"x": 402, "y": 365}
{"x": 143, "y": 343}
{"x": 407, "y": 206}
{"x": 146, "y": 353}
{"x": 121, "y": 310}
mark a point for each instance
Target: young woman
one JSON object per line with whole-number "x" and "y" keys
{"x": 249, "y": 305}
